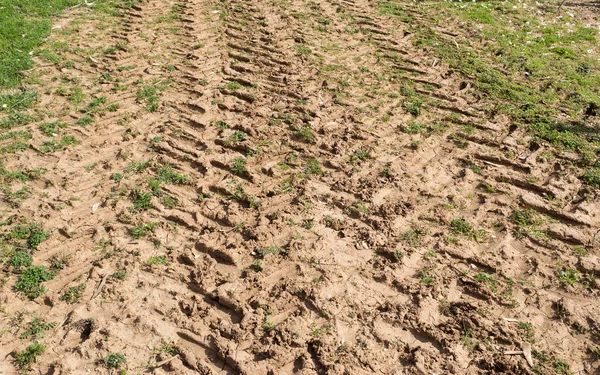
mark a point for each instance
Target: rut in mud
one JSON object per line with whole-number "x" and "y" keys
{"x": 265, "y": 187}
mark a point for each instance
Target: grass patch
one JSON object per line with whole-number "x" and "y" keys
{"x": 74, "y": 294}
{"x": 53, "y": 146}
{"x": 149, "y": 95}
{"x": 25, "y": 25}
{"x": 159, "y": 259}
{"x": 465, "y": 228}
{"x": 17, "y": 100}
{"x": 142, "y": 230}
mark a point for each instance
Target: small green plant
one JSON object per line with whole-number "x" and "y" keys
{"x": 53, "y": 146}
{"x": 528, "y": 330}
{"x": 592, "y": 177}
{"x": 413, "y": 238}
{"x": 301, "y": 49}
{"x": 51, "y": 128}
{"x": 120, "y": 275}
{"x": 167, "y": 174}
{"x": 488, "y": 280}
{"x": 306, "y": 133}
{"x": 115, "y": 360}
{"x": 233, "y": 85}
{"x": 562, "y": 367}
{"x": 313, "y": 167}
{"x": 19, "y": 260}
{"x": 149, "y": 95}
{"x": 116, "y": 177}
{"x": 237, "y": 136}
{"x": 27, "y": 357}
{"x": 138, "y": 167}
{"x": 413, "y": 128}
{"x": 569, "y": 276}
{"x": 272, "y": 250}
{"x": 36, "y": 329}
{"x": 74, "y": 294}
{"x": 465, "y": 228}
{"x": 427, "y": 276}
{"x": 167, "y": 347}
{"x": 238, "y": 166}
{"x": 158, "y": 259}
{"x": 141, "y": 201}
{"x": 84, "y": 121}
{"x": 30, "y": 282}
{"x": 268, "y": 324}
{"x": 142, "y": 230}
{"x": 76, "y": 97}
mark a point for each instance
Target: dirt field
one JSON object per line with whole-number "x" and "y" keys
{"x": 288, "y": 187}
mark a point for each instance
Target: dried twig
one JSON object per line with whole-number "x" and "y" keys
{"x": 100, "y": 287}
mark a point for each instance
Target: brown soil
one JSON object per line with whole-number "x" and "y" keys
{"x": 361, "y": 267}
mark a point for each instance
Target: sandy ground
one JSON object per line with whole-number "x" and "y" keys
{"x": 337, "y": 248}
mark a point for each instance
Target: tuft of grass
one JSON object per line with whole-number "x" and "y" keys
{"x": 138, "y": 167}
{"x": 53, "y": 146}
{"x": 167, "y": 174}
{"x": 528, "y": 222}
{"x": 306, "y": 133}
{"x": 149, "y": 95}
{"x": 18, "y": 100}
{"x": 159, "y": 259}
{"x": 465, "y": 228}
{"x": 237, "y": 136}
{"x": 120, "y": 275}
{"x": 313, "y": 168}
{"x": 272, "y": 250}
{"x": 238, "y": 166}
{"x": 51, "y": 128}
{"x": 142, "y": 230}
{"x": 74, "y": 294}
{"x": 141, "y": 201}
{"x": 592, "y": 177}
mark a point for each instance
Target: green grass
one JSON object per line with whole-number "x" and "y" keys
{"x": 25, "y": 25}
{"x": 53, "y": 146}
{"x": 51, "y": 128}
{"x": 149, "y": 95}
{"x": 529, "y": 65}
{"x": 238, "y": 166}
{"x": 142, "y": 230}
{"x": 167, "y": 174}
{"x": 74, "y": 294}
{"x": 159, "y": 259}
{"x": 141, "y": 200}
{"x": 17, "y": 100}
{"x": 465, "y": 228}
